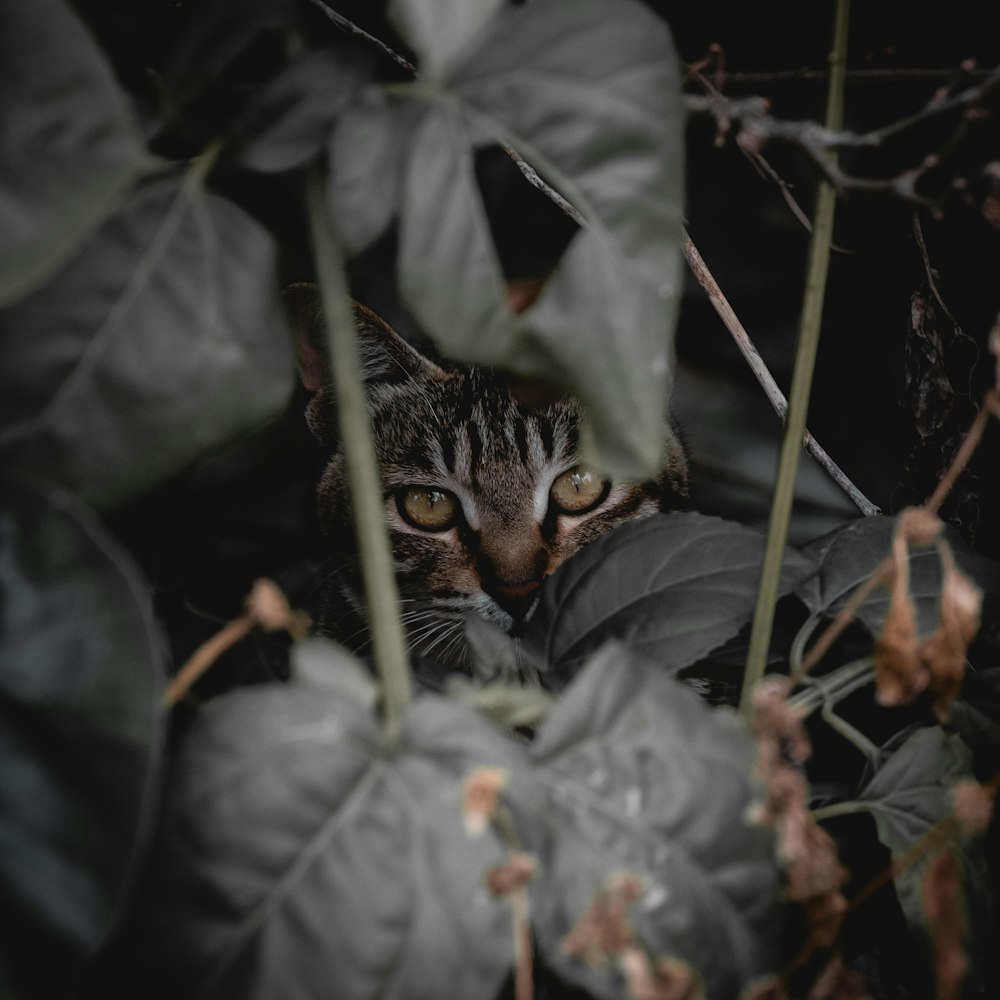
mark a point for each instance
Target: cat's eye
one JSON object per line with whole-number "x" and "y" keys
{"x": 578, "y": 490}
{"x": 427, "y": 508}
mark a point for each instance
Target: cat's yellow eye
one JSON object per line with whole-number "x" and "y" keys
{"x": 578, "y": 490}
{"x": 427, "y": 508}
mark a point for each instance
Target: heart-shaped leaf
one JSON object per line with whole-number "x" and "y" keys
{"x": 287, "y": 123}
{"x": 672, "y": 587}
{"x": 81, "y": 666}
{"x": 301, "y": 857}
{"x": 849, "y": 555}
{"x": 908, "y": 797}
{"x": 161, "y": 339}
{"x": 69, "y": 147}
{"x": 645, "y": 779}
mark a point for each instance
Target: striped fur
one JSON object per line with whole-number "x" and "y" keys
{"x": 463, "y": 431}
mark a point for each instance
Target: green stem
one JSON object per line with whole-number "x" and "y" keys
{"x": 798, "y": 400}
{"x": 381, "y": 596}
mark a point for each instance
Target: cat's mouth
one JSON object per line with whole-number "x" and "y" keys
{"x": 517, "y": 601}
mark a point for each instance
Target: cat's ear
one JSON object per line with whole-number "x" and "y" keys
{"x": 385, "y": 356}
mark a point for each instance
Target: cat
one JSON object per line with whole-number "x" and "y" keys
{"x": 485, "y": 496}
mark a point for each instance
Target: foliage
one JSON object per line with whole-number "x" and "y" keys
{"x": 647, "y": 842}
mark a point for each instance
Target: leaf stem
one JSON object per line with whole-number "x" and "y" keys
{"x": 798, "y": 403}
{"x": 381, "y": 596}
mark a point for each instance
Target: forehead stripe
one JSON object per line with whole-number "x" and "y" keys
{"x": 475, "y": 450}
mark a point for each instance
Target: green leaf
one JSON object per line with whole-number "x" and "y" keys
{"x": 587, "y": 92}
{"x": 672, "y": 587}
{"x": 161, "y": 339}
{"x": 441, "y": 30}
{"x": 367, "y": 156}
{"x": 287, "y": 124}
{"x": 81, "y": 666}
{"x": 69, "y": 147}
{"x": 644, "y": 778}
{"x": 300, "y": 857}
{"x": 849, "y": 555}
{"x": 444, "y": 231}
{"x": 907, "y": 797}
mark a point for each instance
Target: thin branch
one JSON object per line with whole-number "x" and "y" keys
{"x": 776, "y": 397}
{"x": 798, "y": 404}
{"x": 821, "y": 142}
{"x": 351, "y": 28}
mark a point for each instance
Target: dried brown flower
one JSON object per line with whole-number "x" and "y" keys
{"x": 667, "y": 979}
{"x": 972, "y": 806}
{"x": 269, "y": 608}
{"x": 604, "y": 931}
{"x": 481, "y": 797}
{"x": 513, "y": 874}
{"x": 944, "y": 650}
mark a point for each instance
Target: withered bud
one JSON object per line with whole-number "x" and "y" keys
{"x": 603, "y": 931}
{"x": 513, "y": 874}
{"x": 944, "y": 651}
{"x": 481, "y": 797}
{"x": 668, "y": 979}
{"x": 972, "y": 805}
{"x": 269, "y": 608}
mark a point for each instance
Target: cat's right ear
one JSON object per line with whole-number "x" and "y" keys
{"x": 385, "y": 356}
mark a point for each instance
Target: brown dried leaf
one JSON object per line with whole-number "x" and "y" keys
{"x": 777, "y": 726}
{"x": 942, "y": 897}
{"x": 944, "y": 650}
{"x": 813, "y": 867}
{"x": 604, "y": 931}
{"x": 899, "y": 669}
{"x": 481, "y": 797}
{"x": 917, "y": 526}
{"x": 513, "y": 874}
{"x": 972, "y": 806}
{"x": 670, "y": 979}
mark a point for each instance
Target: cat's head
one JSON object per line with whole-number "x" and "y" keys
{"x": 484, "y": 496}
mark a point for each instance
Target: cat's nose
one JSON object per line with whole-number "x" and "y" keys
{"x": 515, "y": 598}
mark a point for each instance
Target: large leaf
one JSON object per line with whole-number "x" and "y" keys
{"x": 644, "y": 778}
{"x": 289, "y": 121}
{"x": 441, "y": 30}
{"x": 672, "y": 587}
{"x": 69, "y": 148}
{"x": 908, "y": 796}
{"x": 300, "y": 857}
{"x": 161, "y": 339}
{"x": 367, "y": 159}
{"x": 80, "y": 730}
{"x": 586, "y": 91}
{"x": 849, "y": 555}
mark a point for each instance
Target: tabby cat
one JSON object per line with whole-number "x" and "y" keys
{"x": 484, "y": 495}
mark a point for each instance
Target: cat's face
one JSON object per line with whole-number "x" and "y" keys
{"x": 484, "y": 497}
